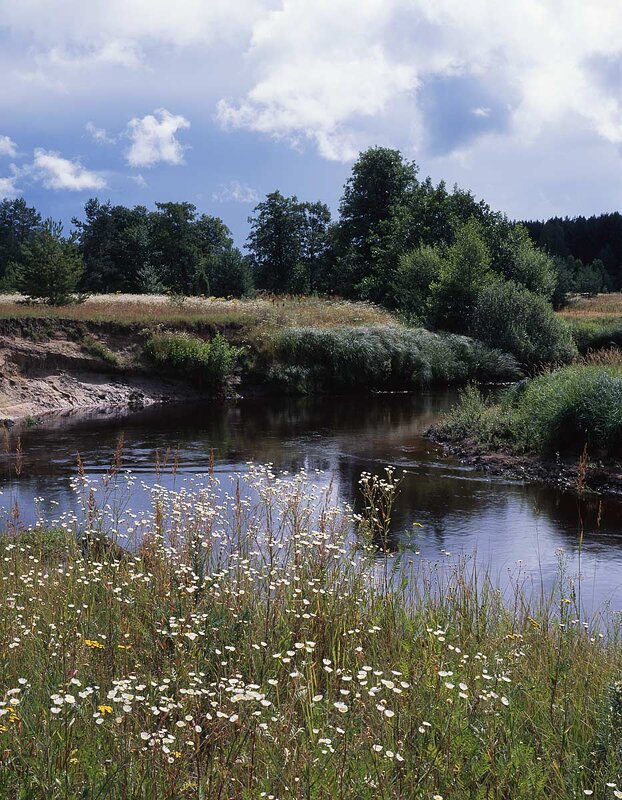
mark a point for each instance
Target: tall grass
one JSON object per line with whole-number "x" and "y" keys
{"x": 381, "y": 357}
{"x": 257, "y": 650}
{"x": 208, "y": 364}
{"x": 561, "y": 411}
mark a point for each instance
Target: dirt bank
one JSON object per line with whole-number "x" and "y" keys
{"x": 56, "y": 366}
{"x": 600, "y": 477}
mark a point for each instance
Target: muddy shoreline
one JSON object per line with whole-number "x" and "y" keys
{"x": 601, "y": 477}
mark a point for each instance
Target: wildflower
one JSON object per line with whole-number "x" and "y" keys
{"x": 341, "y": 707}
{"x": 104, "y": 709}
{"x": 94, "y": 644}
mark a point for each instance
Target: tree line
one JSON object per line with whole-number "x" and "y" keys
{"x": 404, "y": 242}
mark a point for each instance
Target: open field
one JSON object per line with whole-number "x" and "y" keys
{"x": 607, "y": 306}
{"x": 251, "y": 650}
{"x": 596, "y": 322}
{"x": 258, "y": 312}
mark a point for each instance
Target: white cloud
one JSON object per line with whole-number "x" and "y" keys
{"x": 153, "y": 139}
{"x": 55, "y": 172}
{"x": 139, "y": 180}
{"x": 99, "y": 135}
{"x": 7, "y": 147}
{"x": 8, "y": 189}
{"x": 323, "y": 69}
{"x": 236, "y": 192}
{"x": 115, "y": 52}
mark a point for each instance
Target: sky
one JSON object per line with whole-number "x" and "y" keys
{"x": 218, "y": 102}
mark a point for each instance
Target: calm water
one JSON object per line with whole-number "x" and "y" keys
{"x": 505, "y": 525}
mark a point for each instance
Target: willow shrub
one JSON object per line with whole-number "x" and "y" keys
{"x": 520, "y": 322}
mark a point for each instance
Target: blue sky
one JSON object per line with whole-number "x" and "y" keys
{"x": 219, "y": 102}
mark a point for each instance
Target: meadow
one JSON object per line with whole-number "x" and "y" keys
{"x": 269, "y": 645}
{"x": 596, "y": 322}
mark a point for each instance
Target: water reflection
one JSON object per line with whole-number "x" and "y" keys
{"x": 462, "y": 511}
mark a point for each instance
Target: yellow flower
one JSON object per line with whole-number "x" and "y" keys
{"x": 104, "y": 709}
{"x": 95, "y": 645}
{"x": 124, "y": 646}
{"x": 534, "y": 623}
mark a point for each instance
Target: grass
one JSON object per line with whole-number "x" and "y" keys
{"x": 380, "y": 357}
{"x": 99, "y": 350}
{"x": 596, "y": 322}
{"x": 556, "y": 412}
{"x": 256, "y": 649}
{"x": 263, "y": 312}
{"x": 208, "y": 364}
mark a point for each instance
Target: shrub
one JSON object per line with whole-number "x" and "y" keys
{"x": 560, "y": 411}
{"x": 520, "y": 322}
{"x": 567, "y": 409}
{"x": 206, "y": 363}
{"x": 380, "y": 357}
{"x": 596, "y": 334}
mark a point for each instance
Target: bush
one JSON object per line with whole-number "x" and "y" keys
{"x": 567, "y": 409}
{"x": 520, "y": 322}
{"x": 560, "y": 411}
{"x": 597, "y": 334}
{"x": 380, "y": 357}
{"x": 206, "y": 363}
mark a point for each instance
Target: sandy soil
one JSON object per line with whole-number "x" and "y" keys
{"x": 56, "y": 375}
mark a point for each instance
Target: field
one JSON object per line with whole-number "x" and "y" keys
{"x": 271, "y": 312}
{"x": 253, "y": 648}
{"x": 596, "y": 322}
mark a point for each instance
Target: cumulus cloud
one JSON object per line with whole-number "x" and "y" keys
{"x": 324, "y": 68}
{"x": 56, "y": 172}
{"x": 235, "y": 192}
{"x": 153, "y": 139}
{"x": 7, "y": 147}
{"x": 8, "y": 189}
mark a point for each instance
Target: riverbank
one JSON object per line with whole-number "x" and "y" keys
{"x": 97, "y": 354}
{"x": 198, "y": 666}
{"x": 597, "y": 477}
{"x": 562, "y": 427}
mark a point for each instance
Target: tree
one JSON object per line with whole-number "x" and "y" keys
{"x": 374, "y": 212}
{"x": 417, "y": 271}
{"x": 463, "y": 273}
{"x": 176, "y": 247}
{"x": 276, "y": 243}
{"x": 115, "y": 244}
{"x": 18, "y": 225}
{"x": 51, "y": 265}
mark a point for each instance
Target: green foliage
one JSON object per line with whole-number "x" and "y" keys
{"x": 379, "y": 357}
{"x": 51, "y": 266}
{"x": 520, "y": 261}
{"x": 208, "y": 364}
{"x": 463, "y": 274}
{"x": 520, "y": 322}
{"x": 288, "y": 244}
{"x": 567, "y": 409}
{"x": 556, "y": 412}
{"x": 417, "y": 271}
{"x": 18, "y": 226}
{"x": 94, "y": 347}
{"x": 475, "y": 417}
{"x": 596, "y": 334}
{"x": 173, "y": 247}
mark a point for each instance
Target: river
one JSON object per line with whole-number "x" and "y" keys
{"x": 511, "y": 527}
